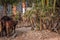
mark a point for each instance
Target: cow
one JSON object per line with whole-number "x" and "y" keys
{"x": 8, "y": 25}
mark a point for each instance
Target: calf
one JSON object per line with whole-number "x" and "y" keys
{"x": 8, "y": 25}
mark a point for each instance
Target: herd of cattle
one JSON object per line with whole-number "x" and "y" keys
{"x": 7, "y": 25}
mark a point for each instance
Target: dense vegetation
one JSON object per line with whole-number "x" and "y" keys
{"x": 46, "y": 14}
{"x": 43, "y": 13}
{"x": 5, "y": 4}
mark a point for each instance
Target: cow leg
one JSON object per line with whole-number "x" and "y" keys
{"x": 1, "y": 33}
{"x": 14, "y": 29}
{"x": 7, "y": 32}
{"x": 7, "y": 29}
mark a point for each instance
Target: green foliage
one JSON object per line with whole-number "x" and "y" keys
{"x": 45, "y": 10}
{"x": 8, "y": 1}
{"x": 58, "y": 2}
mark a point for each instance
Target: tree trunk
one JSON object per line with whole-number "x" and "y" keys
{"x": 5, "y": 9}
{"x": 54, "y": 5}
{"x": 23, "y": 7}
{"x": 14, "y": 9}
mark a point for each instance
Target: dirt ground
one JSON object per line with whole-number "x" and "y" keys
{"x": 27, "y": 34}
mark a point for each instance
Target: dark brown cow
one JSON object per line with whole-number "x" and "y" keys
{"x": 8, "y": 25}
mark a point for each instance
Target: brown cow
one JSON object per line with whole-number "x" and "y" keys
{"x": 8, "y": 25}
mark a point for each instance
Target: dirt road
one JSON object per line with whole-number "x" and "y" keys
{"x": 27, "y": 34}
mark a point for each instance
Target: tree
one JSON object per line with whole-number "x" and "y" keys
{"x": 6, "y": 2}
{"x": 58, "y": 3}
